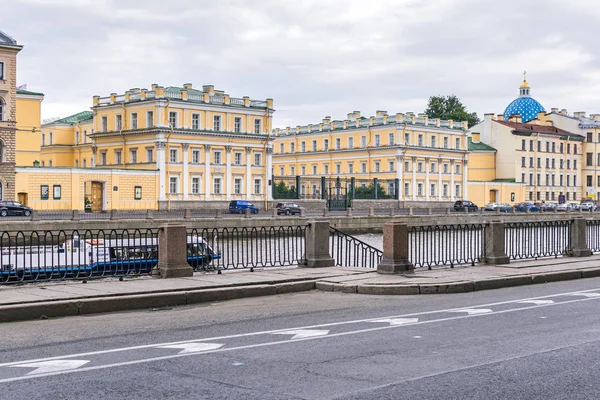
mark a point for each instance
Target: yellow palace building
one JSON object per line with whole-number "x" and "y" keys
{"x": 153, "y": 148}
{"x": 413, "y": 157}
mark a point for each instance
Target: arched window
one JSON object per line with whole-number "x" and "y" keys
{"x": 2, "y": 109}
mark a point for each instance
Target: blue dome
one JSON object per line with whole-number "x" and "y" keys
{"x": 526, "y": 107}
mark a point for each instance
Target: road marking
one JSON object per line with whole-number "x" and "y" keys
{"x": 397, "y": 321}
{"x": 46, "y": 367}
{"x": 218, "y": 338}
{"x": 536, "y": 302}
{"x": 586, "y": 294}
{"x": 303, "y": 333}
{"x": 474, "y": 311}
{"x": 259, "y": 345}
{"x": 193, "y": 347}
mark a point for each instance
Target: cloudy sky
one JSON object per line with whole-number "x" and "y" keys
{"x": 314, "y": 57}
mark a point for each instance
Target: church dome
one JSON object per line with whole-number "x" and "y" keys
{"x": 524, "y": 106}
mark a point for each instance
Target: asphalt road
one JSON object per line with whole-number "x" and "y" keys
{"x": 532, "y": 342}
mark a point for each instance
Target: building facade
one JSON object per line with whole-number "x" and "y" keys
{"x": 29, "y": 117}
{"x": 427, "y": 158}
{"x": 204, "y": 144}
{"x": 8, "y": 114}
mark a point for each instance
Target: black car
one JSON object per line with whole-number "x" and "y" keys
{"x": 13, "y": 208}
{"x": 460, "y": 205}
{"x": 287, "y": 208}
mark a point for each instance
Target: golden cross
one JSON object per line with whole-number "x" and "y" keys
{"x": 524, "y": 76}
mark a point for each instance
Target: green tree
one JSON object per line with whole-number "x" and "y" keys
{"x": 368, "y": 192}
{"x": 450, "y": 107}
{"x": 283, "y": 192}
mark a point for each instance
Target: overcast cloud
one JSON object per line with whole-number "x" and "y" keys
{"x": 313, "y": 57}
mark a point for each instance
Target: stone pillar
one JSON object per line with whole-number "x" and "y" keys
{"x": 274, "y": 212}
{"x": 186, "y": 176}
{"x": 114, "y": 214}
{"x": 149, "y": 214}
{"x": 579, "y": 245}
{"x": 269, "y": 173}
{"x": 75, "y": 215}
{"x": 249, "y": 173}
{"x": 228, "y": 174}
{"x": 317, "y": 245}
{"x": 494, "y": 244}
{"x": 410, "y": 211}
{"x": 218, "y": 213}
{"x": 326, "y": 212}
{"x": 395, "y": 249}
{"x": 162, "y": 167}
{"x": 247, "y": 214}
{"x": 172, "y": 250}
{"x": 35, "y": 215}
{"x": 187, "y": 214}
{"x": 302, "y": 212}
{"x": 371, "y": 211}
{"x": 452, "y": 188}
{"x": 207, "y": 179}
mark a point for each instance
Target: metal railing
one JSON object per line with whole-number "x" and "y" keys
{"x": 58, "y": 255}
{"x": 592, "y": 235}
{"x": 537, "y": 239}
{"x": 348, "y": 251}
{"x": 441, "y": 245}
{"x": 267, "y": 246}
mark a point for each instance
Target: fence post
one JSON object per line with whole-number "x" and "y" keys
{"x": 349, "y": 212}
{"x": 114, "y": 214}
{"x": 371, "y": 211}
{"x": 149, "y": 214}
{"x": 376, "y": 187}
{"x": 579, "y": 246}
{"x": 395, "y": 249}
{"x": 353, "y": 187}
{"x": 75, "y": 216}
{"x": 274, "y": 212}
{"x": 172, "y": 247}
{"x": 410, "y": 211}
{"x": 35, "y": 215}
{"x": 297, "y": 186}
{"x": 302, "y": 212}
{"x": 495, "y": 239}
{"x": 323, "y": 187}
{"x": 247, "y": 213}
{"x": 317, "y": 245}
{"x": 397, "y": 189}
{"x": 447, "y": 211}
{"x": 187, "y": 213}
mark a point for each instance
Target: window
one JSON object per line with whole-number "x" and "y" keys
{"x": 303, "y": 170}
{"x": 574, "y": 164}
{"x": 391, "y": 138}
{"x": 568, "y": 180}
{"x": 44, "y": 143}
{"x": 523, "y": 144}
{"x": 530, "y": 179}
{"x": 118, "y": 159}
{"x": 173, "y": 119}
{"x": 407, "y": 138}
{"x": 363, "y": 141}
{"x": 292, "y": 147}
{"x": 350, "y": 142}
{"x": 458, "y": 143}
{"x": 195, "y": 185}
{"x": 406, "y": 189}
{"x": 281, "y": 148}
{"x": 446, "y": 168}
{"x": 457, "y": 190}
{"x": 338, "y": 168}
{"x": 420, "y": 140}
{"x": 326, "y": 169}
{"x": 149, "y": 119}
{"x": 257, "y": 126}
{"x": 562, "y": 148}
{"x": 103, "y": 158}
{"x": 523, "y": 162}
{"x": 2, "y": 71}
{"x": 173, "y": 184}
{"x": 134, "y": 121}
{"x": 350, "y": 168}
{"x": 547, "y": 179}
{"x": 531, "y": 145}
{"x": 406, "y": 166}
{"x": 433, "y": 141}
{"x": 574, "y": 152}
{"x": 539, "y": 162}
{"x": 445, "y": 142}
{"x": 589, "y": 139}
{"x": 420, "y": 166}
{"x": 237, "y": 186}
{"x": 377, "y": 140}
{"x": 326, "y": 144}
{"x": 568, "y": 148}
{"x": 237, "y": 158}
{"x": 76, "y": 163}
{"x": 104, "y": 123}
{"x": 539, "y": 146}
{"x": 303, "y": 147}
{"x": 257, "y": 159}
{"x": 173, "y": 155}
{"x": 539, "y": 179}
{"x": 589, "y": 159}
{"x": 547, "y": 147}
{"x": 217, "y": 186}
{"x": 217, "y": 157}
{"x": 50, "y": 163}
{"x": 562, "y": 163}
{"x": 133, "y": 156}
{"x": 553, "y": 163}
{"x": 553, "y": 147}
{"x": 292, "y": 170}
{"x": 445, "y": 190}
{"x": 590, "y": 180}
{"x": 432, "y": 190}
{"x": 561, "y": 179}
{"x": 530, "y": 195}
{"x": 547, "y": 162}
{"x": 363, "y": 167}
{"x": 338, "y": 143}
{"x": 530, "y": 162}
{"x": 149, "y": 155}
{"x": 433, "y": 166}
{"x": 281, "y": 171}
{"x": 314, "y": 145}
{"x": 216, "y": 123}
{"x": 457, "y": 169}
{"x": 377, "y": 166}
{"x": 84, "y": 163}
{"x": 598, "y": 180}
{"x": 237, "y": 124}
{"x": 196, "y": 121}
{"x": 419, "y": 189}
{"x": 195, "y": 156}
{"x": 391, "y": 165}
{"x": 77, "y": 137}
{"x": 574, "y": 184}
{"x": 257, "y": 186}
{"x": 523, "y": 178}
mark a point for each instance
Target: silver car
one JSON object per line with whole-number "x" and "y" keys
{"x": 588, "y": 206}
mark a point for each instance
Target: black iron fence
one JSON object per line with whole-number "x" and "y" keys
{"x": 348, "y": 251}
{"x": 270, "y": 246}
{"x": 534, "y": 240}
{"x": 443, "y": 245}
{"x": 592, "y": 235}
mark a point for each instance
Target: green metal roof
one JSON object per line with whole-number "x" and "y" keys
{"x": 75, "y": 118}
{"x": 479, "y": 146}
{"x": 21, "y": 91}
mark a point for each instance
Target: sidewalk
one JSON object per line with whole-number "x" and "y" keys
{"x": 57, "y": 299}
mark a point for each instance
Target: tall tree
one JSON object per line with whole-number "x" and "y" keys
{"x": 450, "y": 107}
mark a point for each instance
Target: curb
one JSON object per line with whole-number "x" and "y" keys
{"x": 87, "y": 306}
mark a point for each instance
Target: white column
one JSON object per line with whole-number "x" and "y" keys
{"x": 207, "y": 179}
{"x": 162, "y": 168}
{"x": 466, "y": 180}
{"x": 229, "y": 175}
{"x": 399, "y": 175}
{"x": 414, "y": 178}
{"x": 248, "y": 172}
{"x": 440, "y": 184}
{"x": 269, "y": 172}
{"x": 427, "y": 179}
{"x": 452, "y": 191}
{"x": 186, "y": 176}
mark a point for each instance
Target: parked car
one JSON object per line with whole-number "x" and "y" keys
{"x": 460, "y": 205}
{"x": 287, "y": 208}
{"x": 523, "y": 207}
{"x": 240, "y": 207}
{"x": 574, "y": 206}
{"x": 588, "y": 206}
{"x": 548, "y": 207}
{"x": 564, "y": 207}
{"x": 491, "y": 206}
{"x": 505, "y": 208}
{"x": 13, "y": 208}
